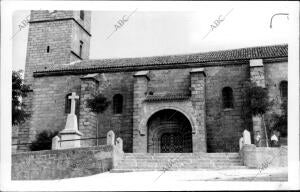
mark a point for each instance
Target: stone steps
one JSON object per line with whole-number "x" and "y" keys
{"x": 182, "y": 154}
{"x": 178, "y": 161}
{"x": 121, "y": 170}
{"x": 169, "y": 165}
{"x": 181, "y": 158}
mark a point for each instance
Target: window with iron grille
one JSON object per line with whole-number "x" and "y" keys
{"x": 283, "y": 89}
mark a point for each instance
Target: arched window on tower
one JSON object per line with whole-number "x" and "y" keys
{"x": 82, "y": 15}
{"x": 227, "y": 95}
{"x": 283, "y": 86}
{"x": 117, "y": 104}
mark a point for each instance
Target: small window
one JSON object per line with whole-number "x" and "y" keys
{"x": 227, "y": 95}
{"x": 48, "y": 49}
{"x": 82, "y": 15}
{"x": 283, "y": 89}
{"x": 118, "y": 104}
{"x": 80, "y": 48}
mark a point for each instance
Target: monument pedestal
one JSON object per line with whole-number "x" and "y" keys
{"x": 70, "y": 136}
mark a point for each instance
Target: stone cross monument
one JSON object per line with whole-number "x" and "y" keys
{"x": 70, "y": 132}
{"x": 73, "y": 97}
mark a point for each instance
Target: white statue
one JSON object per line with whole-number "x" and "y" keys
{"x": 247, "y": 137}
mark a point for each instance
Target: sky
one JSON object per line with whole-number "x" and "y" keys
{"x": 162, "y": 32}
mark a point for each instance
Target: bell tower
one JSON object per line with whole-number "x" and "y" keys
{"x": 56, "y": 37}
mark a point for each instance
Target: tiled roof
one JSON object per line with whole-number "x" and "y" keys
{"x": 170, "y": 96}
{"x": 274, "y": 51}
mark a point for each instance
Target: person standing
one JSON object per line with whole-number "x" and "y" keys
{"x": 241, "y": 142}
{"x": 277, "y": 133}
{"x": 274, "y": 140}
{"x": 258, "y": 139}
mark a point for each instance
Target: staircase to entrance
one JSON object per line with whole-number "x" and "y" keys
{"x": 178, "y": 161}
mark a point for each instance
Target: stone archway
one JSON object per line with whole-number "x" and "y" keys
{"x": 169, "y": 131}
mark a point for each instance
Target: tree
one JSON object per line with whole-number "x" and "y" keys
{"x": 259, "y": 102}
{"x": 256, "y": 103}
{"x": 280, "y": 121}
{"x": 98, "y": 104}
{"x": 19, "y": 90}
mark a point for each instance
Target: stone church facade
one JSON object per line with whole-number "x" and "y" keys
{"x": 178, "y": 103}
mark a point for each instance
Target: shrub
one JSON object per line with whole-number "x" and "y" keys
{"x": 43, "y": 140}
{"x": 98, "y": 103}
{"x": 255, "y": 100}
{"x": 281, "y": 121}
{"x": 259, "y": 103}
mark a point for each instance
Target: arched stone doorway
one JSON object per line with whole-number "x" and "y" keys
{"x": 169, "y": 131}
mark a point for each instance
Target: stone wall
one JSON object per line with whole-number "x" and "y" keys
{"x": 224, "y": 126}
{"x": 66, "y": 163}
{"x": 14, "y": 135}
{"x": 88, "y": 119}
{"x": 48, "y": 111}
{"x": 59, "y": 43}
{"x": 78, "y": 34}
{"x": 198, "y": 100}
{"x": 274, "y": 74}
{"x": 41, "y": 15}
{"x": 192, "y": 107}
{"x": 111, "y": 84}
{"x": 61, "y": 33}
{"x": 264, "y": 157}
{"x": 176, "y": 81}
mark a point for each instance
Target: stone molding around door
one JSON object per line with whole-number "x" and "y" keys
{"x": 149, "y": 111}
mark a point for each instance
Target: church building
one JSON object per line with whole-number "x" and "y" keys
{"x": 163, "y": 104}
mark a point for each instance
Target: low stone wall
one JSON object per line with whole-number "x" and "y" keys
{"x": 263, "y": 157}
{"x": 65, "y": 163}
